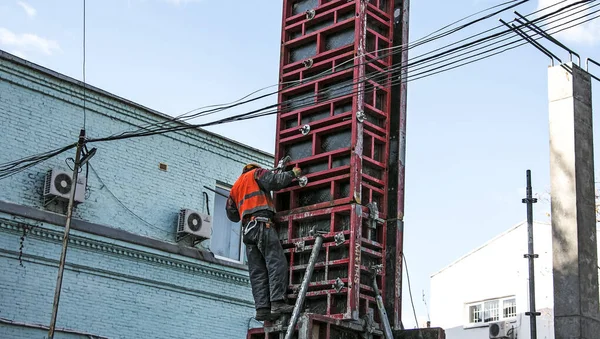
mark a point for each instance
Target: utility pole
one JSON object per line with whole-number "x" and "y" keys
{"x": 530, "y": 200}
{"x": 574, "y": 232}
{"x": 61, "y": 266}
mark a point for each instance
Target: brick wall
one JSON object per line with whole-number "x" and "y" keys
{"x": 113, "y": 289}
{"x": 45, "y": 113}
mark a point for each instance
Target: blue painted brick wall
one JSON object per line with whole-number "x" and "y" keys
{"x": 113, "y": 289}
{"x": 44, "y": 113}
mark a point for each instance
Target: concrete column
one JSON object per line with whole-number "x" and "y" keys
{"x": 575, "y": 254}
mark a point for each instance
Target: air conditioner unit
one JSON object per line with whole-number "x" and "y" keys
{"x": 501, "y": 329}
{"x": 194, "y": 223}
{"x": 58, "y": 184}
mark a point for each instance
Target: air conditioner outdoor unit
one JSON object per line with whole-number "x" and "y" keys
{"x": 501, "y": 329}
{"x": 194, "y": 223}
{"x": 58, "y": 184}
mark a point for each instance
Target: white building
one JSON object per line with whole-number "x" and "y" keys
{"x": 491, "y": 284}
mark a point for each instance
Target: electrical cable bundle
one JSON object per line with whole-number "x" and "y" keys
{"x": 286, "y": 85}
{"x": 424, "y": 65}
{"x": 395, "y": 71}
{"x": 13, "y": 167}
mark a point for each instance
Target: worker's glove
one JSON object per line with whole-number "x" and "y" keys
{"x": 297, "y": 171}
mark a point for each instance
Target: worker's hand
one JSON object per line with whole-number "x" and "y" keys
{"x": 297, "y": 171}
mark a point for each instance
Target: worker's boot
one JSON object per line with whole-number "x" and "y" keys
{"x": 263, "y": 314}
{"x": 280, "y": 307}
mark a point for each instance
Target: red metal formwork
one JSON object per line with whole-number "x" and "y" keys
{"x": 329, "y": 84}
{"x": 341, "y": 284}
{"x": 341, "y": 120}
{"x": 315, "y": 326}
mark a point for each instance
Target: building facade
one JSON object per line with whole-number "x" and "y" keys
{"x": 491, "y": 284}
{"x": 126, "y": 275}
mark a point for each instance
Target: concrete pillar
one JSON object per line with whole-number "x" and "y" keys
{"x": 575, "y": 255}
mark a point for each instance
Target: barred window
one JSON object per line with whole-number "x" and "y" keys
{"x": 510, "y": 308}
{"x": 475, "y": 315}
{"x": 489, "y": 311}
{"x": 492, "y": 310}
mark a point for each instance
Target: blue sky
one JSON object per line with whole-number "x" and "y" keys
{"x": 472, "y": 132}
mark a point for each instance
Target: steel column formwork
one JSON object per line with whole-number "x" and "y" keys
{"x": 315, "y": 326}
{"x": 342, "y": 155}
{"x": 340, "y": 285}
{"x": 341, "y": 119}
{"x": 396, "y": 173}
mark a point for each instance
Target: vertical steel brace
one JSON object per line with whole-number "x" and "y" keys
{"x": 305, "y": 281}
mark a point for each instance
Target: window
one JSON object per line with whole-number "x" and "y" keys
{"x": 491, "y": 311}
{"x": 226, "y": 242}
{"x": 488, "y": 311}
{"x": 475, "y": 314}
{"x": 510, "y": 308}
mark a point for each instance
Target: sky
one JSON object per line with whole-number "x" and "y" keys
{"x": 471, "y": 132}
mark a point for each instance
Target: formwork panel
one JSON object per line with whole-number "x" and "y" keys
{"x": 327, "y": 86}
{"x": 341, "y": 283}
{"x": 338, "y": 121}
{"x": 315, "y": 326}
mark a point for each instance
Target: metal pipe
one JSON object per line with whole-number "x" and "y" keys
{"x": 531, "y": 41}
{"x": 385, "y": 322}
{"x": 550, "y": 37}
{"x": 304, "y": 286}
{"x": 540, "y": 46}
{"x": 63, "y": 254}
{"x": 587, "y": 67}
{"x": 587, "y": 63}
{"x": 530, "y": 200}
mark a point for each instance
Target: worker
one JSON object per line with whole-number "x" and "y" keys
{"x": 250, "y": 201}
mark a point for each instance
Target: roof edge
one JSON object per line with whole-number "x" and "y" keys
{"x": 514, "y": 227}
{"x": 20, "y": 61}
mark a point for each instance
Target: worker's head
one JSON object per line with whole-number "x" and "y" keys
{"x": 250, "y": 167}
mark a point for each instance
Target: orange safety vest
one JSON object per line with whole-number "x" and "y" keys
{"x": 248, "y": 196}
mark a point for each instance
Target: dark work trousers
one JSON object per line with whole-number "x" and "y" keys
{"x": 267, "y": 265}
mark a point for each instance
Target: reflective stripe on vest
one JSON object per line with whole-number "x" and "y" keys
{"x": 248, "y": 196}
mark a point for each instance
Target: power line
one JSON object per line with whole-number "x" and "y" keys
{"x": 480, "y": 19}
{"x": 258, "y": 113}
{"x": 485, "y": 10}
{"x": 402, "y": 47}
{"x": 264, "y": 111}
{"x": 517, "y": 42}
{"x": 410, "y": 293}
{"x": 485, "y": 39}
{"x": 429, "y": 59}
{"x": 125, "y": 206}
{"x": 11, "y": 168}
{"x": 492, "y": 29}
